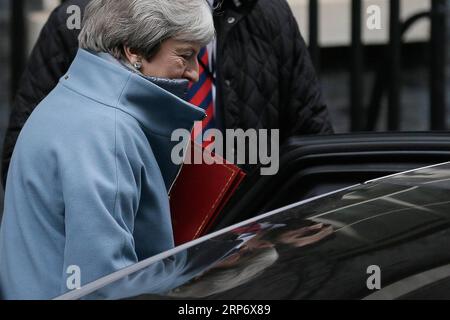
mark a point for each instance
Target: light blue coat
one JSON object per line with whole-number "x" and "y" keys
{"x": 89, "y": 178}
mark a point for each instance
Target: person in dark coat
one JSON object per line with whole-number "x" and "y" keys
{"x": 262, "y": 74}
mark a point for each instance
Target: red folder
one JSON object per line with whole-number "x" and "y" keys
{"x": 199, "y": 194}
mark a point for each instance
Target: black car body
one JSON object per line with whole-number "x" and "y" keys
{"x": 383, "y": 239}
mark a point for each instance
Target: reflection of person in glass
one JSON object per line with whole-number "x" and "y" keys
{"x": 250, "y": 258}
{"x": 305, "y": 236}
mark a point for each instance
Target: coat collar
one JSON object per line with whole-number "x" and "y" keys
{"x": 157, "y": 111}
{"x": 228, "y": 14}
{"x": 236, "y": 4}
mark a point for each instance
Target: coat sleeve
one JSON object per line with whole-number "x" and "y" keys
{"x": 50, "y": 59}
{"x": 304, "y": 109}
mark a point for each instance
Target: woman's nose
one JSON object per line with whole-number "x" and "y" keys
{"x": 192, "y": 72}
{"x": 191, "y": 75}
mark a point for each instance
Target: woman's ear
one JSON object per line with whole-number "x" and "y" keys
{"x": 133, "y": 57}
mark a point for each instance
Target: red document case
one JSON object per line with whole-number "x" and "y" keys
{"x": 199, "y": 194}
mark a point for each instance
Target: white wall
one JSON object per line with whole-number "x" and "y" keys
{"x": 335, "y": 17}
{"x": 334, "y": 21}
{"x": 36, "y": 20}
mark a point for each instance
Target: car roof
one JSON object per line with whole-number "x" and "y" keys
{"x": 323, "y": 248}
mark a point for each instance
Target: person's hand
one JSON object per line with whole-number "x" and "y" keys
{"x": 306, "y": 235}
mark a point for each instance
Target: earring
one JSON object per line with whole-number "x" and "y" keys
{"x": 138, "y": 65}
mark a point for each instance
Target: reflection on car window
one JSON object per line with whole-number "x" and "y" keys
{"x": 320, "y": 249}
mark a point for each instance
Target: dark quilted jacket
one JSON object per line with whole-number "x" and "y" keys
{"x": 265, "y": 78}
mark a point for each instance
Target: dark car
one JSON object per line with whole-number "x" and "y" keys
{"x": 386, "y": 238}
